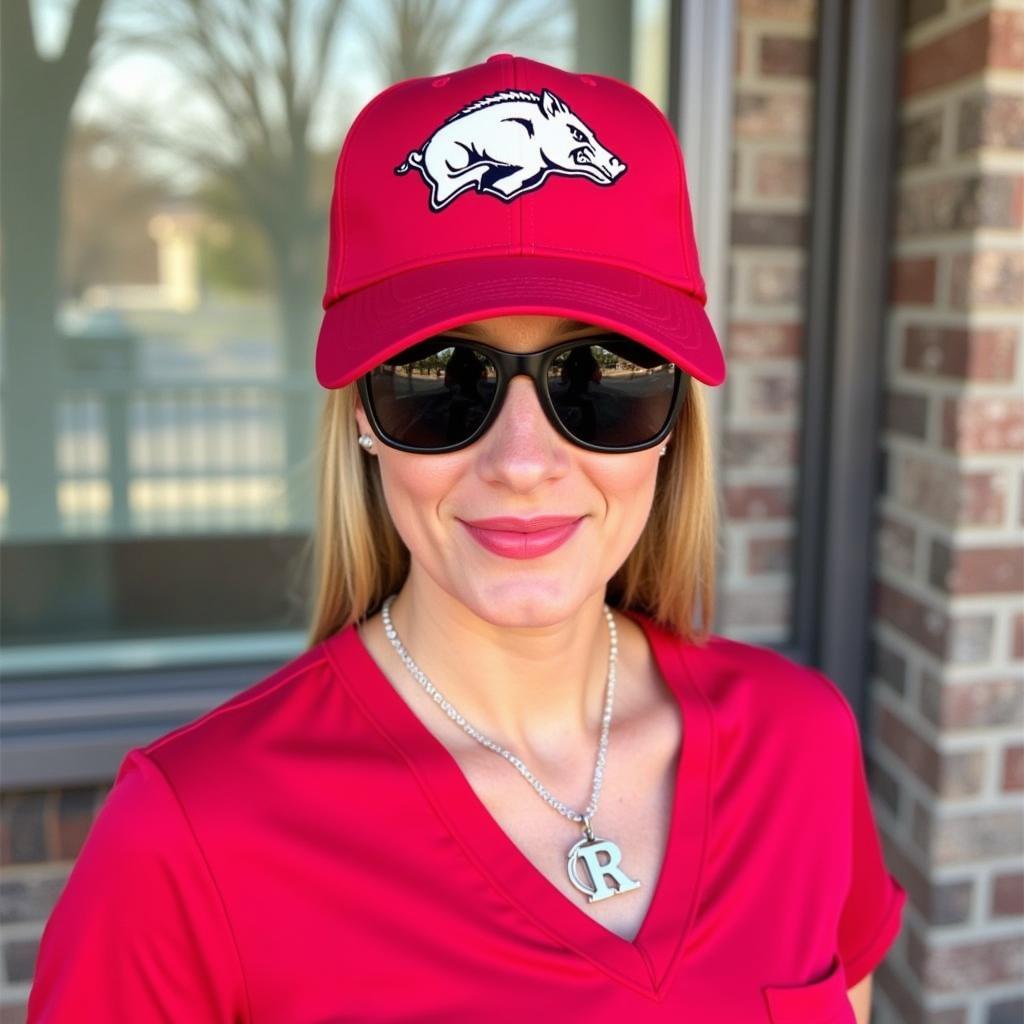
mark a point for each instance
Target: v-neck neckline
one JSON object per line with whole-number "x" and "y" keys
{"x": 646, "y": 963}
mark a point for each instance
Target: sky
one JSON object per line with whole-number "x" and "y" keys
{"x": 139, "y": 79}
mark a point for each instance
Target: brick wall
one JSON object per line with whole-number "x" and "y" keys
{"x": 773, "y": 118}
{"x": 40, "y": 836}
{"x": 945, "y": 745}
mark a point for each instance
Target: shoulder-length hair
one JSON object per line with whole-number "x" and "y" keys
{"x": 359, "y": 558}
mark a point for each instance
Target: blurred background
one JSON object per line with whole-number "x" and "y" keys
{"x": 856, "y": 175}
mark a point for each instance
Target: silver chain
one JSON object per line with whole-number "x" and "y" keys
{"x": 439, "y": 698}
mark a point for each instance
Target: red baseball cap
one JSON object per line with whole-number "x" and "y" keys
{"x": 511, "y": 187}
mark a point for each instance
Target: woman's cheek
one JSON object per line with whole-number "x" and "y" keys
{"x": 414, "y": 493}
{"x": 626, "y": 483}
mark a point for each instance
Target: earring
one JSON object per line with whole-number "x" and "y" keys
{"x": 664, "y": 450}
{"x": 366, "y": 441}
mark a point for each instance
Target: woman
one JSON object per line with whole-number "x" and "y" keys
{"x": 510, "y": 776}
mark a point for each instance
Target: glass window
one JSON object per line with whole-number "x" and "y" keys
{"x": 167, "y": 176}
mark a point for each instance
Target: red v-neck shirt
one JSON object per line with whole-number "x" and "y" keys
{"x": 309, "y": 852}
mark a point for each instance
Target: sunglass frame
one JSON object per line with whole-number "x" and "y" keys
{"x": 535, "y": 366}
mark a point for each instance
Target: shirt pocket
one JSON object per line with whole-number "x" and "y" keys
{"x": 819, "y": 1002}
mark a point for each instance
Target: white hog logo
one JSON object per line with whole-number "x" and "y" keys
{"x": 508, "y": 143}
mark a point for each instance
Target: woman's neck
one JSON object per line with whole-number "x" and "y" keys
{"x": 534, "y": 684}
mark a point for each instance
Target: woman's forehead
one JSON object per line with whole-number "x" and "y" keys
{"x": 524, "y": 326}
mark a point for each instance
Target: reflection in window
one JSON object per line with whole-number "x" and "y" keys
{"x": 160, "y": 320}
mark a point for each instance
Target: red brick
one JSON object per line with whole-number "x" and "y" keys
{"x": 982, "y": 499}
{"x": 1017, "y": 641}
{"x": 925, "y": 485}
{"x": 978, "y": 704}
{"x": 962, "y": 353}
{"x": 1013, "y": 768}
{"x": 896, "y": 545}
{"x": 963, "y": 773}
{"x": 775, "y": 284}
{"x": 923, "y": 624}
{"x": 782, "y": 175}
{"x": 772, "y": 117}
{"x": 768, "y": 610}
{"x": 758, "y": 501}
{"x": 1006, "y": 51}
{"x": 1008, "y": 894}
{"x": 912, "y": 281}
{"x": 769, "y": 340}
{"x": 906, "y": 413}
{"x": 949, "y": 903}
{"x": 760, "y": 448}
{"x": 991, "y": 119}
{"x": 992, "y": 570}
{"x": 992, "y": 278}
{"x": 774, "y": 394}
{"x": 920, "y": 141}
{"x": 993, "y": 41}
{"x": 755, "y": 227}
{"x": 982, "y": 423}
{"x": 769, "y": 555}
{"x": 25, "y": 827}
{"x": 787, "y": 55}
{"x": 975, "y": 834}
{"x": 74, "y": 819}
{"x": 969, "y": 639}
{"x": 965, "y": 966}
{"x": 958, "y": 204}
{"x": 914, "y": 750}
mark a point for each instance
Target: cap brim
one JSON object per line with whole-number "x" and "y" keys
{"x": 365, "y": 327}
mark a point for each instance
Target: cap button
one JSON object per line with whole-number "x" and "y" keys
{"x": 499, "y": 56}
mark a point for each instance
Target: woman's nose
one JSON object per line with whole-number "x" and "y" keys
{"x": 521, "y": 443}
{"x": 521, "y": 418}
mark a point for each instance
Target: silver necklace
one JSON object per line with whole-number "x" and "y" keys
{"x": 584, "y": 852}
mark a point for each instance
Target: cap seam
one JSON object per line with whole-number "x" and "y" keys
{"x": 563, "y": 252}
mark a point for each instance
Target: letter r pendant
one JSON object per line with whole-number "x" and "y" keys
{"x": 586, "y": 850}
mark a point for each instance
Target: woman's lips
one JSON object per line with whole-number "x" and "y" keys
{"x": 518, "y": 544}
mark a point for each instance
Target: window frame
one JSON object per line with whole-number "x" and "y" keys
{"x": 74, "y": 728}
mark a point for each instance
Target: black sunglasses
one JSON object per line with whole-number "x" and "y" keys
{"x": 603, "y": 392}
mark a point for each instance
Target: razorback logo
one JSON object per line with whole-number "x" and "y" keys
{"x": 508, "y": 143}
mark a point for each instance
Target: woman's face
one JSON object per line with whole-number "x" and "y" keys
{"x": 520, "y": 467}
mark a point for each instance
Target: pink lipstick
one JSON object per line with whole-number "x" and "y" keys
{"x": 522, "y": 538}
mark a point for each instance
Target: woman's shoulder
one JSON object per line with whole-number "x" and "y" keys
{"x": 747, "y": 679}
{"x": 261, "y": 732}
{"x": 290, "y": 683}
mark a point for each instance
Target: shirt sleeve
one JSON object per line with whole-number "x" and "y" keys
{"x": 139, "y": 933}
{"x": 872, "y": 911}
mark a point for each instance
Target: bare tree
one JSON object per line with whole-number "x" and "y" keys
{"x": 414, "y": 38}
{"x": 36, "y": 97}
{"x": 243, "y": 60}
{"x": 261, "y": 65}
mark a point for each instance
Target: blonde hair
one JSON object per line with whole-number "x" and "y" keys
{"x": 359, "y": 558}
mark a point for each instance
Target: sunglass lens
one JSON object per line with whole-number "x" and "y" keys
{"x": 612, "y": 393}
{"x": 434, "y": 394}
